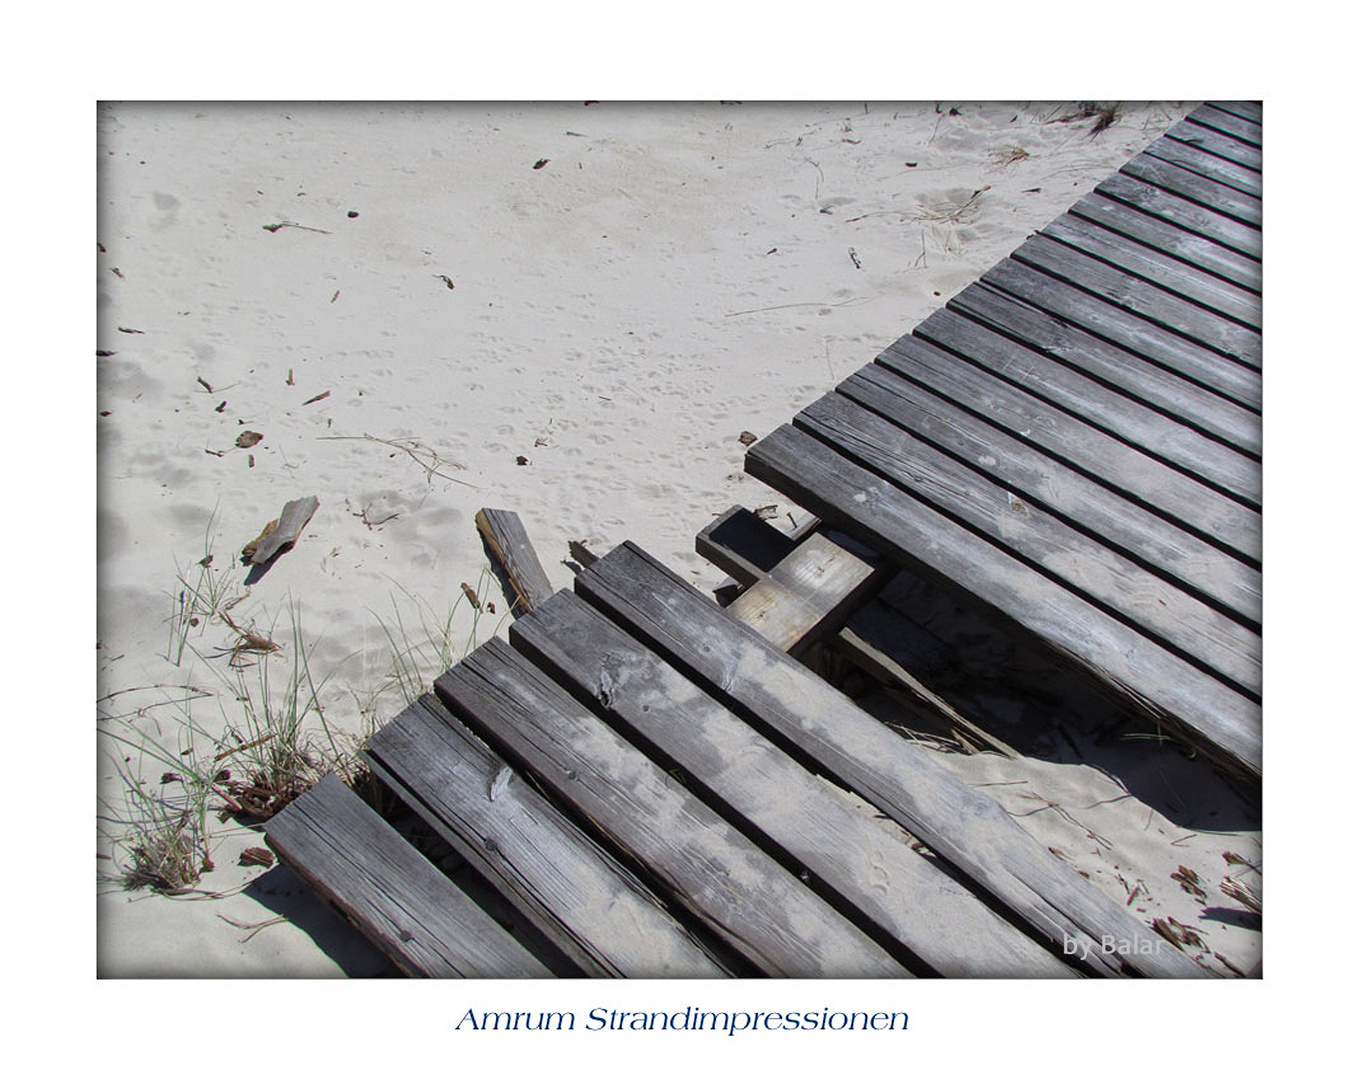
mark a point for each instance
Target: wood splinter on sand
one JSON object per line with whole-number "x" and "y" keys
{"x": 280, "y": 535}
{"x": 508, "y": 545}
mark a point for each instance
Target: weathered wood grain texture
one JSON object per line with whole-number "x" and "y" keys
{"x": 1034, "y": 376}
{"x": 1220, "y": 520}
{"x": 1247, "y": 110}
{"x": 1172, "y": 314}
{"x": 1178, "y": 211}
{"x": 505, "y": 538}
{"x": 295, "y": 515}
{"x": 1218, "y": 143}
{"x": 1099, "y": 361}
{"x": 1200, "y": 189}
{"x": 1175, "y": 554}
{"x": 864, "y": 867}
{"x": 1058, "y": 548}
{"x": 1160, "y": 269}
{"x": 1242, "y": 270}
{"x": 1129, "y": 665}
{"x": 700, "y": 861}
{"x": 1236, "y": 127}
{"x": 574, "y": 893}
{"x": 1237, "y": 382}
{"x": 743, "y": 545}
{"x": 398, "y": 899}
{"x": 790, "y": 705}
{"x": 1239, "y": 177}
{"x": 807, "y": 594}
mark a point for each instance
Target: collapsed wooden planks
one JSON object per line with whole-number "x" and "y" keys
{"x": 1074, "y": 442}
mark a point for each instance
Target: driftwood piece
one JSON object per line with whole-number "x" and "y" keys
{"x": 508, "y": 545}
{"x": 280, "y": 535}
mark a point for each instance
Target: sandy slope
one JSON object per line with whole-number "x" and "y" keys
{"x": 670, "y": 276}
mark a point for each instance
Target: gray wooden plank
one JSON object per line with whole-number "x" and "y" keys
{"x": 743, "y": 545}
{"x": 1131, "y": 376}
{"x": 578, "y": 896}
{"x": 505, "y": 537}
{"x": 1248, "y": 110}
{"x": 701, "y": 861}
{"x": 1056, "y": 547}
{"x": 1186, "y": 246}
{"x": 1217, "y": 143}
{"x": 1228, "y": 123}
{"x": 789, "y": 704}
{"x": 1188, "y": 156}
{"x": 1163, "y": 270}
{"x": 1219, "y": 520}
{"x": 1135, "y": 669}
{"x": 866, "y": 868}
{"x": 1173, "y": 314}
{"x": 1183, "y": 213}
{"x": 807, "y": 594}
{"x": 1237, "y": 382}
{"x": 1190, "y": 185}
{"x": 1177, "y": 555}
{"x": 398, "y": 899}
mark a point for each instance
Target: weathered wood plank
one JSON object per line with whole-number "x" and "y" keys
{"x": 863, "y": 867}
{"x": 1163, "y": 391}
{"x": 1247, "y": 110}
{"x": 281, "y": 535}
{"x": 505, "y": 538}
{"x": 1173, "y": 314}
{"x": 1221, "y": 521}
{"x": 1154, "y": 680}
{"x": 579, "y": 897}
{"x": 1163, "y": 270}
{"x": 1209, "y": 193}
{"x": 1055, "y": 546}
{"x": 785, "y": 701}
{"x": 1177, "y": 555}
{"x": 1188, "y": 156}
{"x": 1186, "y": 246}
{"x": 1178, "y": 211}
{"x": 1036, "y": 376}
{"x": 1229, "y": 123}
{"x": 806, "y": 595}
{"x": 1214, "y": 142}
{"x": 1237, "y": 382}
{"x": 399, "y": 900}
{"x": 701, "y": 861}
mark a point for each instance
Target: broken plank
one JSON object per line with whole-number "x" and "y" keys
{"x": 807, "y": 594}
{"x": 699, "y": 860}
{"x": 865, "y": 868}
{"x": 743, "y": 545}
{"x": 1099, "y": 361}
{"x": 505, "y": 538}
{"x": 1055, "y": 546}
{"x": 295, "y": 515}
{"x": 389, "y": 890}
{"x": 790, "y": 705}
{"x": 592, "y": 909}
{"x": 1130, "y": 667}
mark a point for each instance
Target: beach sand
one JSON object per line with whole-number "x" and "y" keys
{"x": 568, "y": 310}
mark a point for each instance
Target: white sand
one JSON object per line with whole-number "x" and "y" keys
{"x": 672, "y": 276}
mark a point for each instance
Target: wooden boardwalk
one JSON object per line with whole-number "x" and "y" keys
{"x": 1073, "y": 444}
{"x": 640, "y": 783}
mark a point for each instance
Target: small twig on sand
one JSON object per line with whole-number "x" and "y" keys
{"x": 781, "y": 307}
{"x": 412, "y": 447}
{"x": 293, "y": 225}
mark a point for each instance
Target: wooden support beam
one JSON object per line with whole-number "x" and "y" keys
{"x": 507, "y": 543}
{"x": 398, "y": 899}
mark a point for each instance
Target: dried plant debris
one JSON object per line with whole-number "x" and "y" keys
{"x": 1189, "y": 882}
{"x": 246, "y": 439}
{"x": 256, "y": 856}
{"x": 1237, "y": 890}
